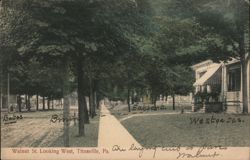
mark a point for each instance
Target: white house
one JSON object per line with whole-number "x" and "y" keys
{"x": 221, "y": 83}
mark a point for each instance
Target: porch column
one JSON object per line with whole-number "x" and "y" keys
{"x": 224, "y": 85}
{"x": 240, "y": 96}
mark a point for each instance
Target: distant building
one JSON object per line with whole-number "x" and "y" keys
{"x": 218, "y": 86}
{"x": 4, "y": 103}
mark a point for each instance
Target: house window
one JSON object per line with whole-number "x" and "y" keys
{"x": 234, "y": 82}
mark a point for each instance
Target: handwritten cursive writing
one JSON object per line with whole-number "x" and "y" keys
{"x": 141, "y": 150}
{"x": 11, "y": 119}
{"x": 214, "y": 120}
{"x": 118, "y": 148}
{"x": 200, "y": 152}
{"x": 204, "y": 151}
{"x": 55, "y": 118}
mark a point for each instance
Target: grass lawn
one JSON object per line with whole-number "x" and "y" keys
{"x": 176, "y": 129}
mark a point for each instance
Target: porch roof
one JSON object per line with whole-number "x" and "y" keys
{"x": 212, "y": 76}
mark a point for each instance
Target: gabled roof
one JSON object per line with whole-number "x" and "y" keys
{"x": 202, "y": 64}
{"x": 212, "y": 76}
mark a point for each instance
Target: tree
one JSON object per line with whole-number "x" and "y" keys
{"x": 176, "y": 34}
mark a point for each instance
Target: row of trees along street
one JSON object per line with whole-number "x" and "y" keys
{"x": 114, "y": 48}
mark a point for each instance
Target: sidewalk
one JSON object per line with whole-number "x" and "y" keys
{"x": 111, "y": 132}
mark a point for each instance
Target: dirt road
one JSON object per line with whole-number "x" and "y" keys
{"x": 35, "y": 129}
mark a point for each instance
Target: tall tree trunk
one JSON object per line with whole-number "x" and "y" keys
{"x": 128, "y": 99}
{"x": 243, "y": 60}
{"x": 48, "y": 103}
{"x": 132, "y": 97}
{"x": 66, "y": 122}
{"x": 98, "y": 100}
{"x": 61, "y": 102}
{"x": 166, "y": 98}
{"x": 52, "y": 104}
{"x": 29, "y": 105}
{"x": 91, "y": 93}
{"x": 90, "y": 106}
{"x": 95, "y": 100}
{"x": 66, "y": 105}
{"x": 244, "y": 86}
{"x": 81, "y": 114}
{"x": 173, "y": 101}
{"x": 154, "y": 99}
{"x": 37, "y": 102}
{"x": 85, "y": 110}
{"x": 26, "y": 101}
{"x": 94, "y": 106}
{"x": 82, "y": 105}
{"x": 43, "y": 103}
{"x": 91, "y": 100}
{"x": 19, "y": 103}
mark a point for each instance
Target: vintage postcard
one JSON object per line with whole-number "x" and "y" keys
{"x": 125, "y": 79}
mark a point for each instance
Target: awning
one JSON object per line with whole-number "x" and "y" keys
{"x": 211, "y": 77}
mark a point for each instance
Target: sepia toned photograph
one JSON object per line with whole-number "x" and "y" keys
{"x": 125, "y": 79}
